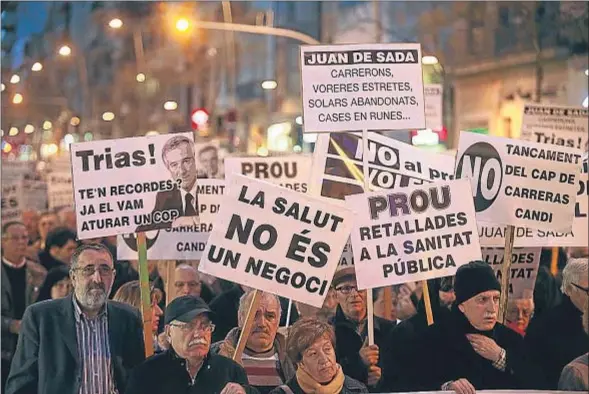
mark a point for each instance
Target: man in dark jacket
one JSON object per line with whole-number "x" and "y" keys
{"x": 188, "y": 367}
{"x": 470, "y": 350}
{"x": 59, "y": 248}
{"x": 82, "y": 343}
{"x": 557, "y": 337}
{"x": 358, "y": 360}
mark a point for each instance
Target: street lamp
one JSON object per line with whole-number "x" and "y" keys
{"x": 37, "y": 67}
{"x": 108, "y": 116}
{"x": 17, "y": 98}
{"x": 170, "y": 105}
{"x": 47, "y": 125}
{"x": 429, "y": 60}
{"x": 13, "y": 131}
{"x": 75, "y": 121}
{"x": 140, "y": 77}
{"x": 269, "y": 85}
{"x": 65, "y": 50}
{"x": 115, "y": 23}
{"x": 182, "y": 24}
{"x": 29, "y": 129}
{"x": 14, "y": 79}
{"x": 3, "y": 87}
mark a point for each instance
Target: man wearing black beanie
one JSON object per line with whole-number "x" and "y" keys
{"x": 470, "y": 350}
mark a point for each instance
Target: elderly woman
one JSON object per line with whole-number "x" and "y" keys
{"x": 57, "y": 284}
{"x": 311, "y": 346}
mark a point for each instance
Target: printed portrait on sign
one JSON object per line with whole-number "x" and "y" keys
{"x": 208, "y": 160}
{"x": 178, "y": 155}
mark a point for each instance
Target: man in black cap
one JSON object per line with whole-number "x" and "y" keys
{"x": 470, "y": 350}
{"x": 187, "y": 366}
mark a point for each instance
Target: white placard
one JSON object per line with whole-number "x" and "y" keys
{"x": 520, "y": 183}
{"x": 337, "y": 165}
{"x": 123, "y": 186}
{"x": 362, "y": 87}
{"x": 60, "y": 190}
{"x": 34, "y": 195}
{"x": 291, "y": 171}
{"x": 434, "y": 94}
{"x": 556, "y": 125}
{"x": 182, "y": 243}
{"x": 12, "y": 202}
{"x": 524, "y": 269}
{"x": 413, "y": 233}
{"x": 276, "y": 240}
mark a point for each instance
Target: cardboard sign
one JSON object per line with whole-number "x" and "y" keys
{"x": 135, "y": 184}
{"x": 520, "y": 183}
{"x": 11, "y": 202}
{"x": 34, "y": 195}
{"x": 210, "y": 158}
{"x": 182, "y": 243}
{"x": 276, "y": 240}
{"x": 337, "y": 165}
{"x": 434, "y": 111}
{"x": 60, "y": 190}
{"x": 556, "y": 125}
{"x": 524, "y": 269}
{"x": 414, "y": 233}
{"x": 291, "y": 172}
{"x": 494, "y": 236}
{"x": 362, "y": 87}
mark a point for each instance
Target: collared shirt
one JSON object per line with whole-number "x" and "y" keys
{"x": 14, "y": 265}
{"x": 183, "y": 193}
{"x": 94, "y": 352}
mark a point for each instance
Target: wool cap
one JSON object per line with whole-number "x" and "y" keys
{"x": 474, "y": 278}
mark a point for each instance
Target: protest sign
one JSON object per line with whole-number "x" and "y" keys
{"x": 182, "y": 243}
{"x": 414, "y": 233}
{"x": 337, "y": 165}
{"x": 60, "y": 192}
{"x": 34, "y": 195}
{"x": 556, "y": 125}
{"x": 524, "y": 269}
{"x": 12, "y": 202}
{"x": 362, "y": 87}
{"x": 276, "y": 240}
{"x": 134, "y": 184}
{"x": 210, "y": 158}
{"x": 433, "y": 95}
{"x": 13, "y": 170}
{"x": 291, "y": 172}
{"x": 519, "y": 183}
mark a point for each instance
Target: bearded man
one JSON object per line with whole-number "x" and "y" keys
{"x": 82, "y": 343}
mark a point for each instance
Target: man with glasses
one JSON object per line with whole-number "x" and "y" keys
{"x": 21, "y": 281}
{"x": 358, "y": 360}
{"x": 557, "y": 337}
{"x": 188, "y": 366}
{"x": 80, "y": 344}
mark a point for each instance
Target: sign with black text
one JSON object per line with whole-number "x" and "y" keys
{"x": 60, "y": 189}
{"x": 413, "y": 233}
{"x": 520, "y": 183}
{"x": 356, "y": 87}
{"x": 434, "y": 94}
{"x": 556, "y": 125}
{"x": 276, "y": 240}
{"x": 12, "y": 202}
{"x": 524, "y": 269}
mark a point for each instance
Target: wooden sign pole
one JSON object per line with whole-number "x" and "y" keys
{"x": 247, "y": 325}
{"x": 506, "y": 273}
{"x": 369, "y": 298}
{"x": 428, "y": 304}
{"x": 145, "y": 294}
{"x": 387, "y": 302}
{"x": 170, "y": 273}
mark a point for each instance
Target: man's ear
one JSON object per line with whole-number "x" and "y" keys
{"x": 461, "y": 307}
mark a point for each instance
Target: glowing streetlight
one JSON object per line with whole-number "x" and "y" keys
{"x": 65, "y": 50}
{"x": 269, "y": 85}
{"x": 299, "y": 120}
{"x": 170, "y": 105}
{"x": 3, "y": 87}
{"x": 115, "y": 23}
{"x": 47, "y": 125}
{"x": 6, "y": 147}
{"x": 37, "y": 67}
{"x": 68, "y": 139}
{"x": 152, "y": 132}
{"x": 14, "y": 79}
{"x": 108, "y": 116}
{"x": 140, "y": 77}
{"x": 75, "y": 121}
{"x": 13, "y": 131}
{"x": 182, "y": 24}
{"x": 429, "y": 60}
{"x": 29, "y": 129}
{"x": 17, "y": 99}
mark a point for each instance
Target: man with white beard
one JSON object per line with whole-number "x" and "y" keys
{"x": 80, "y": 344}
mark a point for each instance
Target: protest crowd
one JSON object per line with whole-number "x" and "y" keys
{"x": 378, "y": 288}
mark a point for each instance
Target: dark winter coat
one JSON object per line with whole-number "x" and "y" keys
{"x": 447, "y": 355}
{"x": 553, "y": 340}
{"x": 165, "y": 373}
{"x": 349, "y": 343}
{"x": 351, "y": 386}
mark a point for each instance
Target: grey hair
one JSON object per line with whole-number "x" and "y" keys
{"x": 173, "y": 143}
{"x": 244, "y": 305}
{"x": 574, "y": 270}
{"x": 81, "y": 249}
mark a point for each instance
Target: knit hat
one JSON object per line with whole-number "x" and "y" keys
{"x": 343, "y": 275}
{"x": 474, "y": 278}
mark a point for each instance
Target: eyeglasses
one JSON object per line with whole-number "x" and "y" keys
{"x": 89, "y": 270}
{"x": 347, "y": 289}
{"x": 585, "y": 289}
{"x": 190, "y": 327}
